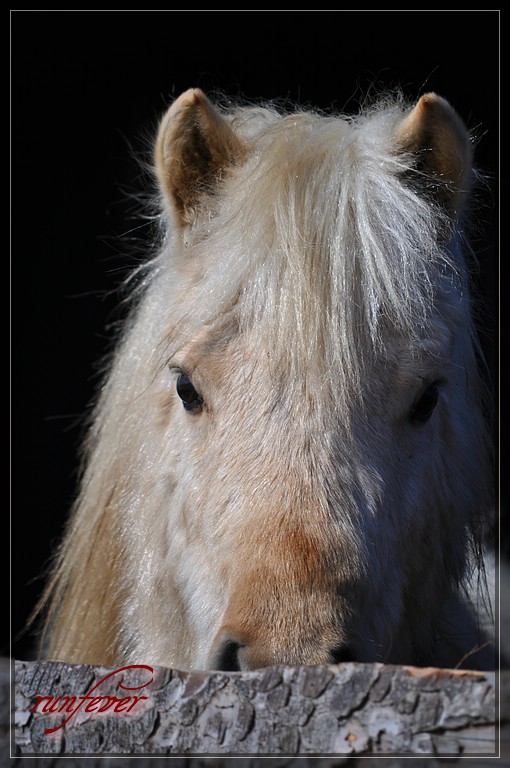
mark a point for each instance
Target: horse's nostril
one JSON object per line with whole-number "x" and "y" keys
{"x": 341, "y": 654}
{"x": 226, "y": 657}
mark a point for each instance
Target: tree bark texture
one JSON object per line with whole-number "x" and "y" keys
{"x": 344, "y": 713}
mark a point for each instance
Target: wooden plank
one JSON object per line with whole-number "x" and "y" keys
{"x": 350, "y": 709}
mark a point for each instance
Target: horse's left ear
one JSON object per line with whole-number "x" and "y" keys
{"x": 435, "y": 134}
{"x": 195, "y": 147}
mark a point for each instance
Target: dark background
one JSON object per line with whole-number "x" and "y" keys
{"x": 87, "y": 88}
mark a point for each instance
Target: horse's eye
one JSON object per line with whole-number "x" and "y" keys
{"x": 423, "y": 408}
{"x": 191, "y": 400}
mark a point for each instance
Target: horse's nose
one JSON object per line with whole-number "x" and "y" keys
{"x": 341, "y": 654}
{"x": 231, "y": 655}
{"x": 225, "y": 655}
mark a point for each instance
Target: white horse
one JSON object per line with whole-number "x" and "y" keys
{"x": 289, "y": 462}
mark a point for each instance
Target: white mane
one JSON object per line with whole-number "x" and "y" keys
{"x": 318, "y": 245}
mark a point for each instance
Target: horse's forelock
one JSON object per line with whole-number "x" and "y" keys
{"x": 322, "y": 245}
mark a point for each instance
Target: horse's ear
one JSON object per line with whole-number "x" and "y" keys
{"x": 195, "y": 145}
{"x": 435, "y": 134}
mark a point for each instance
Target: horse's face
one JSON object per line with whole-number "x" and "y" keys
{"x": 304, "y": 527}
{"x": 308, "y": 507}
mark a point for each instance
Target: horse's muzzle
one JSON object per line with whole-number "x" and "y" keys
{"x": 230, "y": 655}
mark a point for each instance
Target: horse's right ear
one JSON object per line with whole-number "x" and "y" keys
{"x": 195, "y": 146}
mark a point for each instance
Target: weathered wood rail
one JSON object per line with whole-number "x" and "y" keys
{"x": 344, "y": 712}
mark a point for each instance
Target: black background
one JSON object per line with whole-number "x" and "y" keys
{"x": 87, "y": 88}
